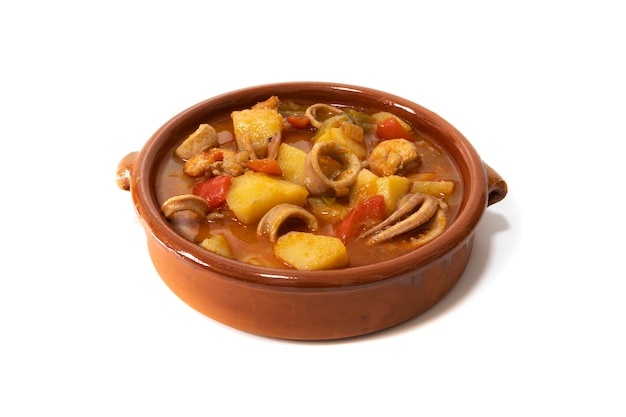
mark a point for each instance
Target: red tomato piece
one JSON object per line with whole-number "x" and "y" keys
{"x": 390, "y": 128}
{"x": 213, "y": 190}
{"x": 265, "y": 166}
{"x": 367, "y": 214}
{"x": 299, "y": 122}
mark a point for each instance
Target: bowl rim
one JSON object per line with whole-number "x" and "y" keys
{"x": 467, "y": 159}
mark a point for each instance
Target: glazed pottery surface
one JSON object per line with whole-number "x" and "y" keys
{"x": 310, "y": 305}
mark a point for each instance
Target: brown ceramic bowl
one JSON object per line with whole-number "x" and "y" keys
{"x": 310, "y": 305}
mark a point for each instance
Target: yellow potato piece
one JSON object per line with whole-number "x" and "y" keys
{"x": 292, "y": 161}
{"x": 217, "y": 244}
{"x": 392, "y": 188}
{"x": 339, "y": 135}
{"x": 306, "y": 251}
{"x": 259, "y": 125}
{"x": 368, "y": 184}
{"x": 253, "y": 194}
{"x": 364, "y": 188}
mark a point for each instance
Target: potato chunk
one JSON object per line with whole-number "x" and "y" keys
{"x": 256, "y": 125}
{"x": 218, "y": 244}
{"x": 307, "y": 251}
{"x": 392, "y": 188}
{"x": 252, "y": 194}
{"x": 348, "y": 135}
{"x": 292, "y": 162}
{"x": 365, "y": 187}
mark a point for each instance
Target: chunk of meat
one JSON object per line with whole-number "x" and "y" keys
{"x": 392, "y": 156}
{"x": 216, "y": 161}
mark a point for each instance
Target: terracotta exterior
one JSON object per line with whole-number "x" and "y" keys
{"x": 309, "y": 305}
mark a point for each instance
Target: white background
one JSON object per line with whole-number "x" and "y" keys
{"x": 535, "y": 326}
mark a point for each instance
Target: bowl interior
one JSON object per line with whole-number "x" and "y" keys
{"x": 469, "y": 165}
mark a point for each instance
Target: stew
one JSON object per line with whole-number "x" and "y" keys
{"x": 308, "y": 186}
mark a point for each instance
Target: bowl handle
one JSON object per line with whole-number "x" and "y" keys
{"x": 497, "y": 187}
{"x": 125, "y": 170}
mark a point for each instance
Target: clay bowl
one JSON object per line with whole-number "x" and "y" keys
{"x": 310, "y": 305}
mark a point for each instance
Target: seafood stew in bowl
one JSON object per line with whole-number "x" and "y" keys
{"x": 309, "y": 210}
{"x": 311, "y": 186}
